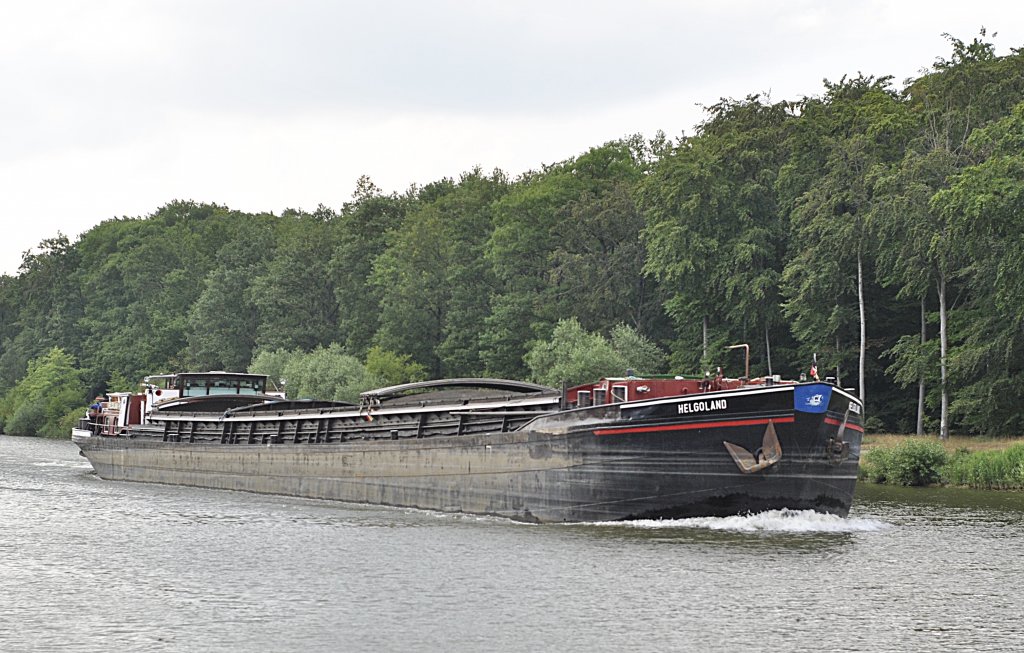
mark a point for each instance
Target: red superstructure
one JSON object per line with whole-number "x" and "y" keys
{"x": 612, "y": 390}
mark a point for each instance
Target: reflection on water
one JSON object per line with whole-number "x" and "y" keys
{"x": 91, "y": 565}
{"x": 883, "y": 497}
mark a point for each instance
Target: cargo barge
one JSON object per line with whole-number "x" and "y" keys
{"x": 621, "y": 448}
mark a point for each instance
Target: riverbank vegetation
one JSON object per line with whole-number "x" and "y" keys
{"x": 981, "y": 463}
{"x": 873, "y": 225}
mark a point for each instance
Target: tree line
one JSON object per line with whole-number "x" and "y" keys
{"x": 874, "y": 229}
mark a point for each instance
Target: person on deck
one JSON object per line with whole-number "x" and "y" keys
{"x": 95, "y": 410}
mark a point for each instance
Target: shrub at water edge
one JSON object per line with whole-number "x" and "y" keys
{"x": 915, "y": 461}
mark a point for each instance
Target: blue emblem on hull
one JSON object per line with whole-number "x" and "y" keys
{"x": 812, "y": 398}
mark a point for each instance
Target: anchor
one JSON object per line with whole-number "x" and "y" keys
{"x": 769, "y": 453}
{"x": 837, "y": 449}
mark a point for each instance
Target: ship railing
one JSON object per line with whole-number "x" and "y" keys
{"x": 93, "y": 425}
{"x": 339, "y": 429}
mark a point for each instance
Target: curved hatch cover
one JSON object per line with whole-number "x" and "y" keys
{"x": 444, "y": 384}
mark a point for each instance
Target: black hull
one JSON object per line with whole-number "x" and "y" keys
{"x": 660, "y": 459}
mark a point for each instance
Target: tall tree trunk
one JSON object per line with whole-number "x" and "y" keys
{"x": 705, "y": 336}
{"x": 863, "y": 323}
{"x": 768, "y": 348}
{"x": 920, "y": 382}
{"x": 943, "y": 346}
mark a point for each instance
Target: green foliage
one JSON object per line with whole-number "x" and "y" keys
{"x": 412, "y": 279}
{"x": 272, "y": 363}
{"x": 37, "y": 404}
{"x": 120, "y": 383}
{"x": 386, "y": 368}
{"x": 574, "y": 355}
{"x": 714, "y": 230}
{"x": 753, "y": 230}
{"x": 294, "y": 296}
{"x": 915, "y": 462}
{"x": 362, "y": 231}
{"x": 984, "y": 210}
{"x": 470, "y": 212}
{"x": 641, "y": 355}
{"x": 222, "y": 322}
{"x": 874, "y": 464}
{"x": 987, "y": 470}
{"x": 565, "y": 243}
{"x": 506, "y": 329}
{"x": 918, "y": 461}
{"x": 331, "y": 373}
{"x": 27, "y": 419}
{"x": 62, "y": 427}
{"x": 326, "y": 373}
{"x": 858, "y": 128}
{"x": 432, "y": 280}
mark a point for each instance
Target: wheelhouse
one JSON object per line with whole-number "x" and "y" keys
{"x": 202, "y": 384}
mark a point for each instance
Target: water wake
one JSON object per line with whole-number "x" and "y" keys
{"x": 67, "y": 464}
{"x": 771, "y": 521}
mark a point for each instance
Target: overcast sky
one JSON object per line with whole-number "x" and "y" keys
{"x": 115, "y": 107}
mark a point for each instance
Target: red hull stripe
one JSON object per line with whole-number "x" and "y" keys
{"x": 695, "y": 425}
{"x": 835, "y": 422}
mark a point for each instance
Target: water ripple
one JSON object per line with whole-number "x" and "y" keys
{"x": 93, "y": 566}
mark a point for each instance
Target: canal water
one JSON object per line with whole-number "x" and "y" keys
{"x": 93, "y": 565}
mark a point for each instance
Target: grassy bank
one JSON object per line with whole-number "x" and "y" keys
{"x": 982, "y": 463}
